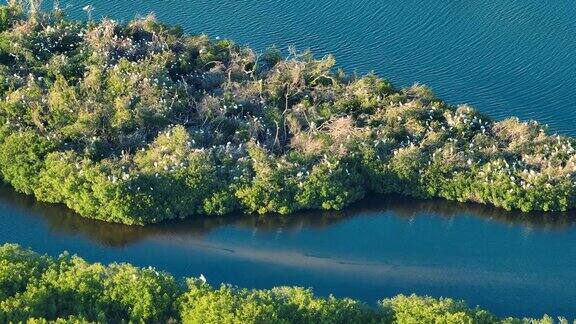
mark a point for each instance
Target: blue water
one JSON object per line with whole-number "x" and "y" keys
{"x": 505, "y": 57}
{"x": 513, "y": 264}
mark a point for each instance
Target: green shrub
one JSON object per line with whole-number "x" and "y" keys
{"x": 22, "y": 158}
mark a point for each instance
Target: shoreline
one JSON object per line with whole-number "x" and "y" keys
{"x": 83, "y": 292}
{"x": 138, "y": 123}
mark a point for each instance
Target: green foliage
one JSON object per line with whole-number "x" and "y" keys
{"x": 22, "y": 158}
{"x": 203, "y": 304}
{"x": 72, "y": 290}
{"x": 132, "y": 293}
{"x": 17, "y": 268}
{"x": 8, "y": 15}
{"x": 331, "y": 185}
{"x": 273, "y": 186}
{"x": 414, "y": 309}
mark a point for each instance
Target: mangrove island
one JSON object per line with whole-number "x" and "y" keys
{"x": 139, "y": 123}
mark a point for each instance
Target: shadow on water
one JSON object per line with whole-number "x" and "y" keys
{"x": 60, "y": 219}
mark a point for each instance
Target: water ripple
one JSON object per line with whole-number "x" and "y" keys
{"x": 504, "y": 57}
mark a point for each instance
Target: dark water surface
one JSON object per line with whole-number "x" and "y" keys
{"x": 513, "y": 57}
{"x": 510, "y": 263}
{"x": 506, "y": 57}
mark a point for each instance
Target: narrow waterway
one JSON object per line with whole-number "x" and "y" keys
{"x": 510, "y": 263}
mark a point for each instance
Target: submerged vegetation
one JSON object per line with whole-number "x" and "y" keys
{"x": 40, "y": 289}
{"x": 139, "y": 123}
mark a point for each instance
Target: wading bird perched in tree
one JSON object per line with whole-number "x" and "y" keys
{"x": 88, "y": 9}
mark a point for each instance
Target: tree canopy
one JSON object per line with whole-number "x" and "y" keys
{"x": 139, "y": 122}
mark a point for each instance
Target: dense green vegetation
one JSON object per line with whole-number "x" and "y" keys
{"x": 138, "y": 123}
{"x": 38, "y": 289}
